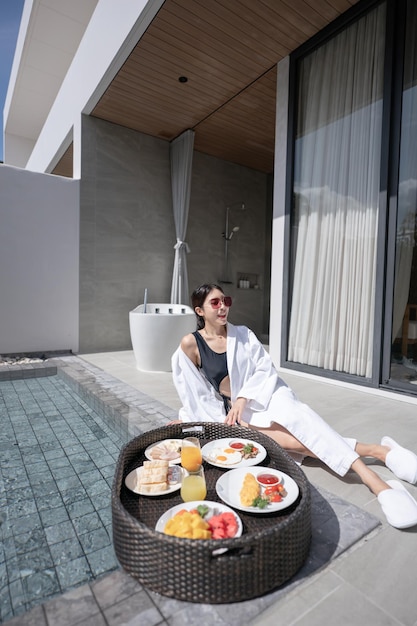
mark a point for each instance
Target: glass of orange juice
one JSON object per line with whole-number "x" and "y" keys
{"x": 191, "y": 457}
{"x": 193, "y": 486}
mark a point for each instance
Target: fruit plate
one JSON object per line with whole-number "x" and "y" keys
{"x": 215, "y": 508}
{"x": 228, "y": 488}
{"x": 222, "y": 453}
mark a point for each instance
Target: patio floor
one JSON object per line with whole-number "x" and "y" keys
{"x": 372, "y": 582}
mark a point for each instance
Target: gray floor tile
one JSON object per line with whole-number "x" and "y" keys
{"x": 72, "y": 607}
{"x": 34, "y": 617}
{"x": 388, "y": 562}
{"x": 114, "y": 588}
{"x": 137, "y": 610}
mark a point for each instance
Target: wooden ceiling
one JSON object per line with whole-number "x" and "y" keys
{"x": 228, "y": 51}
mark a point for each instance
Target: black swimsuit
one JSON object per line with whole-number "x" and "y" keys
{"x": 214, "y": 366}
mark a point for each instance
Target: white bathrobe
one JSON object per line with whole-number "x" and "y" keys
{"x": 254, "y": 377}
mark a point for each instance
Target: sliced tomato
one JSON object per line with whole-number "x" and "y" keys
{"x": 269, "y": 491}
{"x": 276, "y": 497}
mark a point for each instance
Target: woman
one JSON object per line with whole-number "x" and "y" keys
{"x": 223, "y": 373}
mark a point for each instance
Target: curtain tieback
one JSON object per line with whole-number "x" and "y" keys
{"x": 182, "y": 244}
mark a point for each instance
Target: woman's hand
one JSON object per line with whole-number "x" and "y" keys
{"x": 174, "y": 422}
{"x": 234, "y": 416}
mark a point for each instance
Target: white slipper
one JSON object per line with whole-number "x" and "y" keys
{"x": 398, "y": 506}
{"x": 402, "y": 462}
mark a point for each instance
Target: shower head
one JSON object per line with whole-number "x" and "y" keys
{"x": 229, "y": 234}
{"x": 234, "y": 230}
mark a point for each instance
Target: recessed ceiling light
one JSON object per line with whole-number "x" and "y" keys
{"x": 183, "y": 79}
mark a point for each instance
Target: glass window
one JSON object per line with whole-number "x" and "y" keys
{"x": 337, "y": 158}
{"x": 404, "y": 332}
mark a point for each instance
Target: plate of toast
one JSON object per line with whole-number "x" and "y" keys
{"x": 154, "y": 478}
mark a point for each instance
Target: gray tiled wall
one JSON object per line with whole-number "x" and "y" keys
{"x": 127, "y": 233}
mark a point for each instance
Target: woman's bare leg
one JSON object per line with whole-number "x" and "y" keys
{"x": 369, "y": 478}
{"x": 373, "y": 450}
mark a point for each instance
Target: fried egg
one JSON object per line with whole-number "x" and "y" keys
{"x": 225, "y": 456}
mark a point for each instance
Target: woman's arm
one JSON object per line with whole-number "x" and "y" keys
{"x": 200, "y": 401}
{"x": 189, "y": 346}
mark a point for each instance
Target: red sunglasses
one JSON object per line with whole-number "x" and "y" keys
{"x": 217, "y": 302}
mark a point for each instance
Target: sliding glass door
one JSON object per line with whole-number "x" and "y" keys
{"x": 353, "y": 213}
{"x": 404, "y": 326}
{"x": 336, "y": 194}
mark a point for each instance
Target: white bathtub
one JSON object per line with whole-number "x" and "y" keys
{"x": 156, "y": 334}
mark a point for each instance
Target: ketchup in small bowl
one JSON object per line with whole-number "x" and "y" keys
{"x": 266, "y": 480}
{"x": 236, "y": 445}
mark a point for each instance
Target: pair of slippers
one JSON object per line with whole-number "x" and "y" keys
{"x": 401, "y": 462}
{"x": 398, "y": 505}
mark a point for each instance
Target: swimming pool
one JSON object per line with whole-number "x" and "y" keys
{"x": 60, "y": 437}
{"x": 57, "y": 459}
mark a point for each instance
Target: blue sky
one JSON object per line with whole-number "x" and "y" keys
{"x": 10, "y": 14}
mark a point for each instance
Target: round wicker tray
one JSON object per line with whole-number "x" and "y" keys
{"x": 271, "y": 549}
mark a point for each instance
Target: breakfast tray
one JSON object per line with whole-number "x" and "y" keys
{"x": 270, "y": 551}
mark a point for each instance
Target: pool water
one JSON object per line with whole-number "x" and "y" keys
{"x": 57, "y": 461}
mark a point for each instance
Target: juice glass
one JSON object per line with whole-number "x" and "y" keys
{"x": 191, "y": 457}
{"x": 193, "y": 486}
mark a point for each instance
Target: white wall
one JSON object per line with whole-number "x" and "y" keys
{"x": 39, "y": 262}
{"x": 278, "y": 226}
{"x": 112, "y": 33}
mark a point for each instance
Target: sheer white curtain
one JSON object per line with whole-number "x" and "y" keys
{"x": 336, "y": 191}
{"x": 181, "y": 155}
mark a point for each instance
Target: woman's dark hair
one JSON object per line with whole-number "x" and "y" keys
{"x": 198, "y": 298}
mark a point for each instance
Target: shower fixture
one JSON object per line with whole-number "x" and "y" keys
{"x": 227, "y": 235}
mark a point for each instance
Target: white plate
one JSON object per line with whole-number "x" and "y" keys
{"x": 131, "y": 482}
{"x": 173, "y": 442}
{"x": 215, "y": 509}
{"x": 230, "y": 483}
{"x": 209, "y": 448}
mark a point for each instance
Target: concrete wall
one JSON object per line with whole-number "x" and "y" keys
{"x": 217, "y": 184}
{"x": 127, "y": 231}
{"x": 39, "y": 230}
